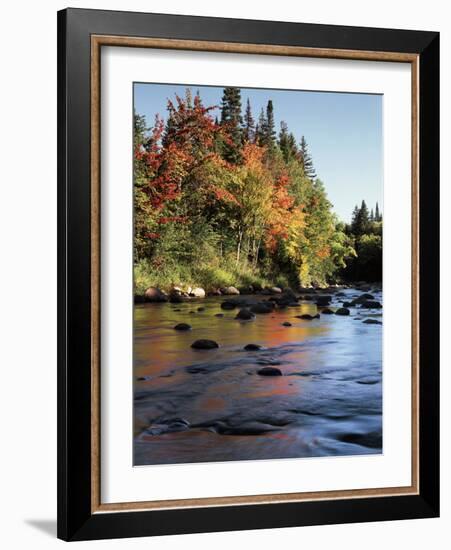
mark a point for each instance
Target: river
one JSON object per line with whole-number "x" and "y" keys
{"x": 212, "y": 405}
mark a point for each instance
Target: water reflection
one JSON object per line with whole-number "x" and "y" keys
{"x": 211, "y": 405}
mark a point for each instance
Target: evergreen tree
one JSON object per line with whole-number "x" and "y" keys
{"x": 360, "y": 220}
{"x": 283, "y": 140}
{"x": 306, "y": 159}
{"x": 170, "y": 126}
{"x": 377, "y": 215}
{"x": 270, "y": 125}
{"x": 355, "y": 215}
{"x": 249, "y": 124}
{"x": 372, "y": 216}
{"x": 231, "y": 119}
{"x": 261, "y": 129}
{"x": 139, "y": 130}
{"x": 287, "y": 142}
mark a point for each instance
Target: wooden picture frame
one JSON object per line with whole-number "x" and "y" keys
{"x": 81, "y": 35}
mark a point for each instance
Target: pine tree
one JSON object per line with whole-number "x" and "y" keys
{"x": 270, "y": 125}
{"x": 372, "y": 216}
{"x": 249, "y": 124}
{"x": 377, "y": 215}
{"x": 306, "y": 160}
{"x": 260, "y": 129}
{"x": 231, "y": 119}
{"x": 287, "y": 142}
{"x": 169, "y": 128}
{"x": 360, "y": 220}
{"x": 354, "y": 219}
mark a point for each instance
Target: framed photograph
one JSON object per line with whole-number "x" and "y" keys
{"x": 248, "y": 274}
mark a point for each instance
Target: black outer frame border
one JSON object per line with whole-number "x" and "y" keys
{"x": 75, "y": 521}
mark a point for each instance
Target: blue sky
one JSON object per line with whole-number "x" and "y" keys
{"x": 343, "y": 131}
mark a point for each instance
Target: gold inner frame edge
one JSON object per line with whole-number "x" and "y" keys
{"x": 97, "y": 41}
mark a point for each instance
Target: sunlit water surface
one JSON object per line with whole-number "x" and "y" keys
{"x": 211, "y": 405}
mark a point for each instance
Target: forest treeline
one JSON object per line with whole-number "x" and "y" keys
{"x": 230, "y": 201}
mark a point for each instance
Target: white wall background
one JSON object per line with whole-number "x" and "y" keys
{"x": 28, "y": 273}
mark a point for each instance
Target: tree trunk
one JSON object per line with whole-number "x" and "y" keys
{"x": 238, "y": 250}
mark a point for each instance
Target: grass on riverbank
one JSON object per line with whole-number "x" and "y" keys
{"x": 207, "y": 277}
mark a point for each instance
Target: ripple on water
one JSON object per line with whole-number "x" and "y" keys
{"x": 211, "y": 405}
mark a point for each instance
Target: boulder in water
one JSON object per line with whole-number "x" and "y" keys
{"x": 269, "y": 371}
{"x": 308, "y": 317}
{"x": 228, "y": 305}
{"x": 182, "y": 326}
{"x": 371, "y": 304}
{"x": 262, "y": 307}
{"x": 204, "y": 344}
{"x": 275, "y": 290}
{"x": 154, "y": 294}
{"x": 342, "y": 311}
{"x": 253, "y": 347}
{"x": 230, "y": 291}
{"x": 245, "y": 315}
{"x": 323, "y": 300}
{"x": 198, "y": 292}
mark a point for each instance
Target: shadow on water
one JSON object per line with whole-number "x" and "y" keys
{"x": 323, "y": 399}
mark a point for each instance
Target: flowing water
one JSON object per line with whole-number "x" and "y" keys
{"x": 212, "y": 405}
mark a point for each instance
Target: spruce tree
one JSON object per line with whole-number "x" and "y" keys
{"x": 306, "y": 160}
{"x": 354, "y": 219}
{"x": 364, "y": 219}
{"x": 232, "y": 120}
{"x": 377, "y": 215}
{"x": 372, "y": 216}
{"x": 284, "y": 140}
{"x": 170, "y": 127}
{"x": 270, "y": 125}
{"x": 260, "y": 129}
{"x": 249, "y": 124}
{"x": 287, "y": 142}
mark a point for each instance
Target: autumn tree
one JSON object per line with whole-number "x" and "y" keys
{"x": 219, "y": 200}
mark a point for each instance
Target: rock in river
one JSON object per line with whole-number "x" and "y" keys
{"x": 371, "y": 304}
{"x": 269, "y": 371}
{"x": 275, "y": 290}
{"x": 287, "y": 324}
{"x": 177, "y": 298}
{"x": 198, "y": 293}
{"x": 342, "y": 311}
{"x": 308, "y": 317}
{"x": 262, "y": 307}
{"x": 245, "y": 315}
{"x": 230, "y": 291}
{"x": 182, "y": 326}
{"x": 252, "y": 347}
{"x": 372, "y": 322}
{"x": 228, "y": 305}
{"x": 323, "y": 300}
{"x": 154, "y": 294}
{"x": 327, "y": 311}
{"x": 204, "y": 344}
{"x": 168, "y": 426}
